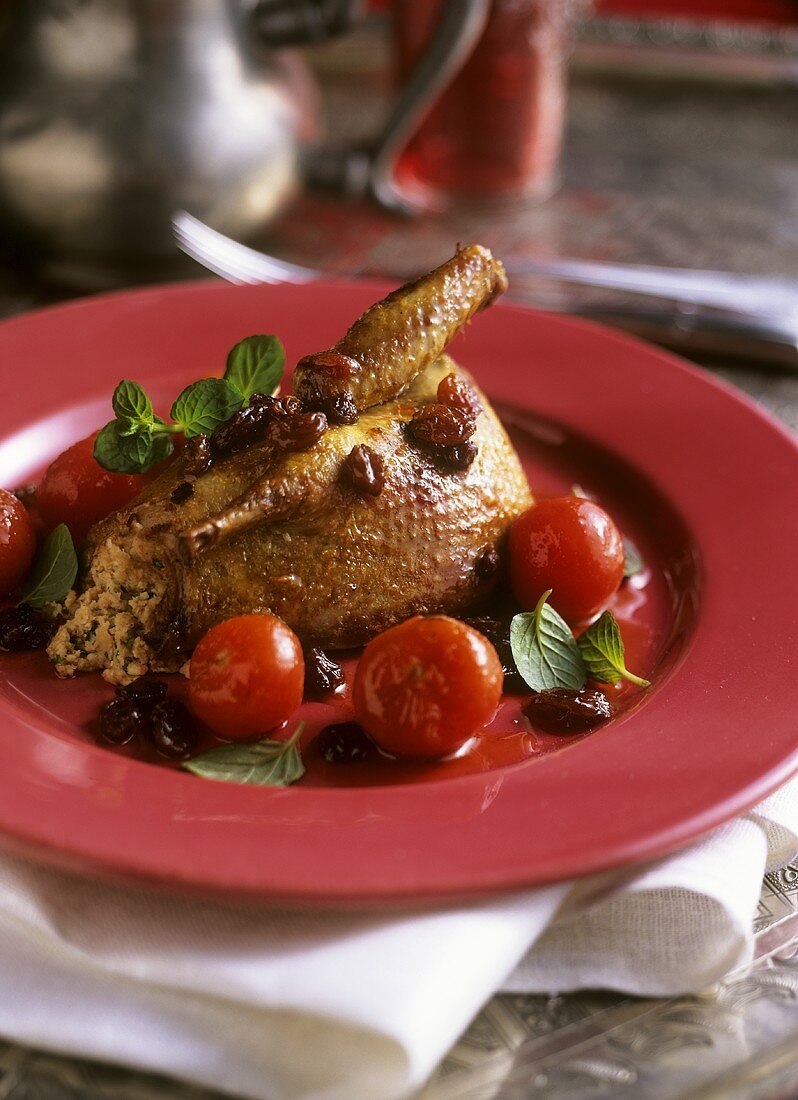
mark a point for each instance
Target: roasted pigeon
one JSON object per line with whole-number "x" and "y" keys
{"x": 383, "y": 493}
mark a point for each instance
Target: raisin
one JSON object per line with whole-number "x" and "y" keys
{"x": 487, "y": 564}
{"x": 122, "y": 719}
{"x": 440, "y": 426}
{"x": 565, "y": 711}
{"x": 322, "y": 674}
{"x": 182, "y": 492}
{"x": 333, "y": 364}
{"x": 456, "y": 393}
{"x": 364, "y": 469}
{"x": 339, "y": 410}
{"x": 197, "y": 454}
{"x": 244, "y": 429}
{"x": 22, "y": 628}
{"x": 298, "y": 431}
{"x": 344, "y": 743}
{"x": 497, "y": 631}
{"x": 172, "y": 730}
{"x": 146, "y": 690}
{"x": 289, "y": 405}
{"x": 456, "y": 458}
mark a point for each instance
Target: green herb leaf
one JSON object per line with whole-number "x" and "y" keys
{"x": 122, "y": 454}
{"x": 544, "y": 649}
{"x": 54, "y": 570}
{"x": 161, "y": 446}
{"x": 632, "y": 559}
{"x": 264, "y": 763}
{"x": 204, "y": 405}
{"x": 132, "y": 407}
{"x": 130, "y": 454}
{"x": 255, "y": 365}
{"x": 602, "y": 650}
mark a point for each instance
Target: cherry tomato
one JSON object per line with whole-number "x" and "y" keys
{"x": 247, "y": 675}
{"x": 570, "y": 545}
{"x": 424, "y": 687}
{"x": 77, "y": 491}
{"x": 17, "y": 542}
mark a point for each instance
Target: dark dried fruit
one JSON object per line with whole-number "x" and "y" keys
{"x": 197, "y": 455}
{"x": 22, "y": 628}
{"x": 287, "y": 406}
{"x": 440, "y": 426}
{"x": 322, "y": 674}
{"x": 146, "y": 690}
{"x": 345, "y": 743}
{"x": 339, "y": 410}
{"x": 455, "y": 459}
{"x": 172, "y": 730}
{"x": 244, "y": 429}
{"x": 456, "y": 393}
{"x": 364, "y": 470}
{"x": 487, "y": 564}
{"x": 182, "y": 492}
{"x": 331, "y": 364}
{"x": 497, "y": 631}
{"x": 564, "y": 711}
{"x": 299, "y": 431}
{"x": 122, "y": 719}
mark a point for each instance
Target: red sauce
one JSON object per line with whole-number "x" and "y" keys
{"x": 654, "y": 611}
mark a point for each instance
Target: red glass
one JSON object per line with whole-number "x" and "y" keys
{"x": 496, "y": 130}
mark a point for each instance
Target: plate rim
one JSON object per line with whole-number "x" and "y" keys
{"x": 467, "y": 887}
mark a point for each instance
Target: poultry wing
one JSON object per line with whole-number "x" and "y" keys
{"x": 380, "y": 518}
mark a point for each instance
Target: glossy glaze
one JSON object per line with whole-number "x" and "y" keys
{"x": 394, "y": 340}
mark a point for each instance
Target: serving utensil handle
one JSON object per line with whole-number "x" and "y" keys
{"x": 370, "y": 168}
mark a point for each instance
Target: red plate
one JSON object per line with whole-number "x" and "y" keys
{"x": 703, "y": 480}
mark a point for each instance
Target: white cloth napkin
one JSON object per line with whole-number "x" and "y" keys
{"x": 321, "y": 1006}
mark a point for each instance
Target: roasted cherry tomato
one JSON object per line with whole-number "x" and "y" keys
{"x": 424, "y": 687}
{"x": 77, "y": 491}
{"x": 570, "y": 545}
{"x": 17, "y": 542}
{"x": 247, "y": 675}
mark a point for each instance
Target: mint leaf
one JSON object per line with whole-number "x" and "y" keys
{"x": 204, "y": 405}
{"x": 54, "y": 570}
{"x": 255, "y": 365}
{"x": 161, "y": 446}
{"x": 544, "y": 649}
{"x": 132, "y": 406}
{"x": 632, "y": 559}
{"x": 264, "y": 763}
{"x": 133, "y": 453}
{"x": 122, "y": 454}
{"x": 602, "y": 650}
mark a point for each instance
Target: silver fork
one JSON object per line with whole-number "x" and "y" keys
{"x": 713, "y": 312}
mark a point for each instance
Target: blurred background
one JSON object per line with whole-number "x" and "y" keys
{"x": 367, "y": 138}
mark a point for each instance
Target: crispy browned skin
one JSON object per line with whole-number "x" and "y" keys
{"x": 397, "y": 338}
{"x": 336, "y": 566}
{"x": 379, "y": 357}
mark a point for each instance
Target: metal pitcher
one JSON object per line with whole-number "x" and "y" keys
{"x": 116, "y": 113}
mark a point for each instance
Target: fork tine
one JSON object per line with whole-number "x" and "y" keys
{"x": 232, "y": 260}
